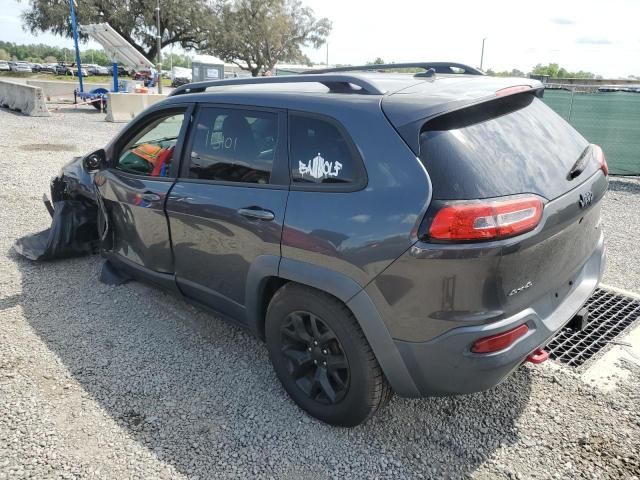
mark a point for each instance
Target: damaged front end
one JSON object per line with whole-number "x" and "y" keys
{"x": 77, "y": 222}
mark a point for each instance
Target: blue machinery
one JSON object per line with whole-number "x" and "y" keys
{"x": 118, "y": 49}
{"x": 97, "y": 96}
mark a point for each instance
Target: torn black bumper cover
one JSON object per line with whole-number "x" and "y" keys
{"x": 75, "y": 219}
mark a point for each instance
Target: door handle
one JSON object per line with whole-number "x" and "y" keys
{"x": 151, "y": 197}
{"x": 257, "y": 214}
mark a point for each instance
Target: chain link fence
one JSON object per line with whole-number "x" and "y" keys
{"x": 609, "y": 117}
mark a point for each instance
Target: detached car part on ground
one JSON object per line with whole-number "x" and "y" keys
{"x": 419, "y": 234}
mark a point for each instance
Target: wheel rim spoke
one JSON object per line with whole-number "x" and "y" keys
{"x": 300, "y": 361}
{"x": 315, "y": 358}
{"x": 325, "y": 385}
{"x": 300, "y": 329}
{"x": 336, "y": 362}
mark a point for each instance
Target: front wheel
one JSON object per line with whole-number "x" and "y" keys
{"x": 322, "y": 357}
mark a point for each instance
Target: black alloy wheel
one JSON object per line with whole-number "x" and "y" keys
{"x": 315, "y": 358}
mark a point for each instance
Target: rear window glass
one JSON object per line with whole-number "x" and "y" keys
{"x": 507, "y": 146}
{"x": 320, "y": 153}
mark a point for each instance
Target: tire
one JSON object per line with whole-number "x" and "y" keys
{"x": 350, "y": 368}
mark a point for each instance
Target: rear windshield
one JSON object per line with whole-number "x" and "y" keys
{"x": 507, "y": 146}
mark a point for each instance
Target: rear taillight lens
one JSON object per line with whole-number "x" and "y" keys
{"x": 486, "y": 220}
{"x": 498, "y": 342}
{"x": 503, "y": 92}
{"x": 601, "y": 159}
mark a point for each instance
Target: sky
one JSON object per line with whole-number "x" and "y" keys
{"x": 596, "y": 36}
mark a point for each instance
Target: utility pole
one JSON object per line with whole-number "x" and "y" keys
{"x": 159, "y": 39}
{"x": 327, "y": 54}
{"x": 74, "y": 28}
{"x": 482, "y": 53}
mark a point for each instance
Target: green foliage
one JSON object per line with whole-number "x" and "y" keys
{"x": 377, "y": 61}
{"x": 513, "y": 73}
{"x": 176, "y": 60}
{"x": 555, "y": 71}
{"x": 257, "y": 34}
{"x": 47, "y": 54}
{"x": 183, "y": 22}
{"x": 40, "y": 53}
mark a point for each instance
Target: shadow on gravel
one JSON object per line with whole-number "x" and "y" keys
{"x": 620, "y": 185}
{"x": 201, "y": 395}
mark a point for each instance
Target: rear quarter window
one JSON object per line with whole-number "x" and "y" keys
{"x": 322, "y": 155}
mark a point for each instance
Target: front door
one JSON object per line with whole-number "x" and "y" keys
{"x": 135, "y": 187}
{"x": 227, "y": 208}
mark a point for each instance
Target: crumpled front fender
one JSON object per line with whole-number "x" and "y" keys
{"x": 75, "y": 218}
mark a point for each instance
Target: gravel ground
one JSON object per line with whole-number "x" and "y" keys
{"x": 129, "y": 382}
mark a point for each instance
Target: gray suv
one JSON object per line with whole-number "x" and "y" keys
{"x": 419, "y": 234}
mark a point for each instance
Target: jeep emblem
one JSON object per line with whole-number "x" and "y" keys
{"x": 585, "y": 199}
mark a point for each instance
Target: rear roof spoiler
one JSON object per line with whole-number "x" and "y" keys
{"x": 409, "y": 109}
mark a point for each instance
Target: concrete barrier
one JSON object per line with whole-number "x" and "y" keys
{"x": 122, "y": 107}
{"x": 23, "y": 98}
{"x": 53, "y": 90}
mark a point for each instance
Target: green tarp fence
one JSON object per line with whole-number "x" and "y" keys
{"x": 610, "y": 119}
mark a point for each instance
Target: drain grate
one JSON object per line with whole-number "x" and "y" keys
{"x": 609, "y": 315}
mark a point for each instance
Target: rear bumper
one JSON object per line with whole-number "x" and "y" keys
{"x": 446, "y": 365}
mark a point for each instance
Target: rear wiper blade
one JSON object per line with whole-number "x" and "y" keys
{"x": 580, "y": 164}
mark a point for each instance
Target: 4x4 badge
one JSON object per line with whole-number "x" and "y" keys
{"x": 515, "y": 291}
{"x": 585, "y": 199}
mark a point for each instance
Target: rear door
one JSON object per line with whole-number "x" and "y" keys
{"x": 227, "y": 207}
{"x": 143, "y": 168}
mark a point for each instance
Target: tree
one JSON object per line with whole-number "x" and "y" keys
{"x": 377, "y": 61}
{"x": 183, "y": 22}
{"x": 551, "y": 69}
{"x": 506, "y": 73}
{"x": 555, "y": 71}
{"x": 256, "y": 34}
{"x": 4, "y": 55}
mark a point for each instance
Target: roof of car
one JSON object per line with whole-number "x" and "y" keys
{"x": 406, "y": 90}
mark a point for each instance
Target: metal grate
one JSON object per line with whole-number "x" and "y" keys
{"x": 609, "y": 315}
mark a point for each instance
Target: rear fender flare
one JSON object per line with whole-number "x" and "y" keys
{"x": 346, "y": 290}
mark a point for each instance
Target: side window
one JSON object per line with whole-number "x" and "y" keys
{"x": 234, "y": 145}
{"x": 150, "y": 152}
{"x": 320, "y": 153}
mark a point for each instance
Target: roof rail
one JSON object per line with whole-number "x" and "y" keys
{"x": 437, "y": 67}
{"x": 336, "y": 83}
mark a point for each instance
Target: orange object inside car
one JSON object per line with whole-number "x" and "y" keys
{"x": 154, "y": 154}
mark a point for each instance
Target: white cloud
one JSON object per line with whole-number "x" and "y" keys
{"x": 577, "y": 34}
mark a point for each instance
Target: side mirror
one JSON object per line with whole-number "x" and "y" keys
{"x": 95, "y": 161}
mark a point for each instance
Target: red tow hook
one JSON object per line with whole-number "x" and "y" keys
{"x": 538, "y": 356}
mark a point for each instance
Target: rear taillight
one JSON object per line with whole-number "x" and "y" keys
{"x": 486, "y": 220}
{"x": 498, "y": 342}
{"x": 503, "y": 92}
{"x": 601, "y": 159}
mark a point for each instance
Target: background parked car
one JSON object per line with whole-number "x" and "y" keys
{"x": 178, "y": 81}
{"x": 35, "y": 67}
{"x": 63, "y": 69}
{"x": 22, "y": 67}
{"x": 121, "y": 71}
{"x": 4, "y": 66}
{"x": 49, "y": 68}
{"x": 94, "y": 69}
